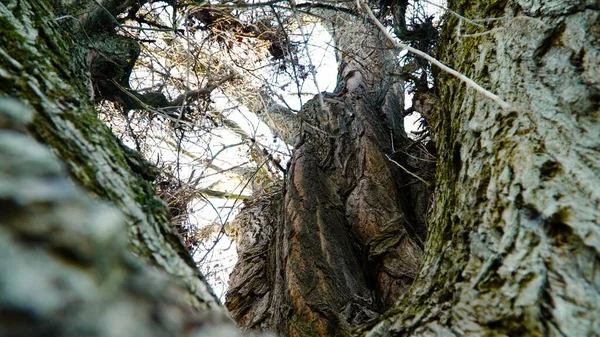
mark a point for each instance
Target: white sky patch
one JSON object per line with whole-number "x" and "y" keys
{"x": 322, "y": 55}
{"x": 410, "y": 121}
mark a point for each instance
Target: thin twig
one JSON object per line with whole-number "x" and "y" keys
{"x": 312, "y": 67}
{"x": 407, "y": 171}
{"x": 469, "y": 82}
{"x": 473, "y": 22}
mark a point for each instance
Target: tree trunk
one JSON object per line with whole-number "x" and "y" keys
{"x": 513, "y": 242}
{"x": 64, "y": 267}
{"x": 342, "y": 240}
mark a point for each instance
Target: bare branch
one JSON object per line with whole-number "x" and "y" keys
{"x": 469, "y": 82}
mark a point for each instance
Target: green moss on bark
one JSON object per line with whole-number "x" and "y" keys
{"x": 54, "y": 80}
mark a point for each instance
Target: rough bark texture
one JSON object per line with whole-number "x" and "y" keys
{"x": 45, "y": 66}
{"x": 513, "y": 248}
{"x": 341, "y": 242}
{"x": 66, "y": 269}
{"x": 513, "y": 243}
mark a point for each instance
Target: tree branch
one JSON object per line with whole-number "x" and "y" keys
{"x": 469, "y": 82}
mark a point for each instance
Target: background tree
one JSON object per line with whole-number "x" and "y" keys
{"x": 343, "y": 239}
{"x": 511, "y": 245}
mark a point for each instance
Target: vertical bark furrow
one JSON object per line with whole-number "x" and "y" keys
{"x": 346, "y": 247}
{"x": 513, "y": 247}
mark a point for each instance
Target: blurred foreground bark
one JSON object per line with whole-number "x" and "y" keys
{"x": 67, "y": 267}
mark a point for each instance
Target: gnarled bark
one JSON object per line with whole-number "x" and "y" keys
{"x": 342, "y": 242}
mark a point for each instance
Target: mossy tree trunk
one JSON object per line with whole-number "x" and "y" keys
{"x": 514, "y": 242}
{"x": 53, "y": 235}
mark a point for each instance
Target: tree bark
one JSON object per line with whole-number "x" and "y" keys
{"x": 66, "y": 267}
{"x": 512, "y": 247}
{"x": 341, "y": 241}
{"x": 73, "y": 267}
